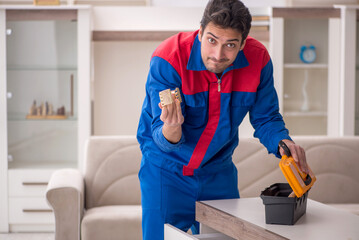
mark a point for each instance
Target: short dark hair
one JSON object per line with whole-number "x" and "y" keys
{"x": 228, "y": 14}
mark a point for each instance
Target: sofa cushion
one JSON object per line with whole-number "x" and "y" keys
{"x": 111, "y": 171}
{"x": 112, "y": 222}
{"x": 334, "y": 162}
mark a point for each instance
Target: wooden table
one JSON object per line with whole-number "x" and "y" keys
{"x": 244, "y": 218}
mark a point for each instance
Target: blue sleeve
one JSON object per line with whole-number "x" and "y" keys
{"x": 161, "y": 76}
{"x": 264, "y": 114}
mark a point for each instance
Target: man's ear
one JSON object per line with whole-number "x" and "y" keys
{"x": 243, "y": 44}
{"x": 200, "y": 34}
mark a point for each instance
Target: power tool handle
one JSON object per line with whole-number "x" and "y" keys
{"x": 285, "y": 148}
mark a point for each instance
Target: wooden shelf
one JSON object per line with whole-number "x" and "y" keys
{"x": 306, "y": 12}
{"x": 47, "y": 117}
{"x": 22, "y": 117}
{"x": 107, "y": 29}
{"x": 259, "y": 32}
{"x": 43, "y": 14}
{"x": 131, "y": 35}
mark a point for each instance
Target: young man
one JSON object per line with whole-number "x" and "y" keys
{"x": 187, "y": 147}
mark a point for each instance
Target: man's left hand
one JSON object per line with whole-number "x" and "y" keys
{"x": 298, "y": 154}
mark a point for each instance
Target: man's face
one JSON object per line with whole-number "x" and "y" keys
{"x": 219, "y": 47}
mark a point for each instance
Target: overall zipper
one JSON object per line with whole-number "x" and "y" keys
{"x": 214, "y": 113}
{"x": 219, "y": 84}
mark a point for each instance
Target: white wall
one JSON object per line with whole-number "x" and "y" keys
{"x": 119, "y": 89}
{"x": 147, "y": 18}
{"x": 120, "y": 68}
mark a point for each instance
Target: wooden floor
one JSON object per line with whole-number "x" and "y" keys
{"x": 27, "y": 236}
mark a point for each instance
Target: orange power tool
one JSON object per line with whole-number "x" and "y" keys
{"x": 299, "y": 182}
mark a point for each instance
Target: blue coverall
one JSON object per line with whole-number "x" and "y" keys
{"x": 199, "y": 166}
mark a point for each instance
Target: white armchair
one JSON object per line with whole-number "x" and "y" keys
{"x": 104, "y": 202}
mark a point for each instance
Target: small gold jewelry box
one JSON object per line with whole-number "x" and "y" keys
{"x": 166, "y": 96}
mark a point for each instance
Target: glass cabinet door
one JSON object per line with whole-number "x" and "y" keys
{"x": 305, "y": 84}
{"x": 41, "y": 93}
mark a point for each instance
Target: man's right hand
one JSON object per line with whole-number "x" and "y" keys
{"x": 173, "y": 119}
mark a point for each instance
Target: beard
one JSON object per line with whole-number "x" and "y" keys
{"x": 216, "y": 66}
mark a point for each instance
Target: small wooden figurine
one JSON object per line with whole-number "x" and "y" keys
{"x": 32, "y": 110}
{"x": 61, "y": 110}
{"x": 45, "y": 111}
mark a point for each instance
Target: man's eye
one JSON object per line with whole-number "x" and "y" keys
{"x": 231, "y": 45}
{"x": 211, "y": 40}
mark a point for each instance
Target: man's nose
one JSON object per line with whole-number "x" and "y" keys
{"x": 219, "y": 53}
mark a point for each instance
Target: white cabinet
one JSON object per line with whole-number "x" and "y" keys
{"x": 44, "y": 57}
{"x": 320, "y": 98}
{"x": 307, "y": 91}
{"x": 349, "y": 77}
{"x": 28, "y": 209}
